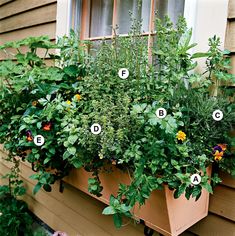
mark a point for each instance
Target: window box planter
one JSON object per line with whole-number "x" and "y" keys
{"x": 161, "y": 211}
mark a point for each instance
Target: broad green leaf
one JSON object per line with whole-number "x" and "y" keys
{"x": 117, "y": 218}
{"x": 72, "y": 139}
{"x": 66, "y": 155}
{"x": 71, "y": 150}
{"x": 46, "y": 160}
{"x": 185, "y": 39}
{"x": 109, "y": 211}
{"x": 208, "y": 187}
{"x": 199, "y": 55}
{"x": 37, "y": 188}
{"x": 125, "y": 208}
{"x": 76, "y": 163}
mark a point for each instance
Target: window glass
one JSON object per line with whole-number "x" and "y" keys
{"x": 77, "y": 14}
{"x": 101, "y": 18}
{"x": 172, "y": 8}
{"x": 140, "y": 10}
{"x": 161, "y": 7}
{"x": 175, "y": 9}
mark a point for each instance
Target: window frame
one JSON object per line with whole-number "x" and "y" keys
{"x": 85, "y": 22}
{"x": 69, "y": 15}
{"x": 66, "y": 15}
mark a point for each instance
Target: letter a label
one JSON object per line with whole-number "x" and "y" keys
{"x": 196, "y": 179}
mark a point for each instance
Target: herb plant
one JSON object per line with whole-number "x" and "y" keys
{"x": 62, "y": 101}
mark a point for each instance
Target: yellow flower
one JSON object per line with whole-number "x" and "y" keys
{"x": 181, "y": 135}
{"x": 68, "y": 102}
{"x": 218, "y": 155}
{"x": 78, "y": 97}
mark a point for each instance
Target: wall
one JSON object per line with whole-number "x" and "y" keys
{"x": 23, "y": 18}
{"x": 210, "y": 19}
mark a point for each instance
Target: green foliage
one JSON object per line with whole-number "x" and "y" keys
{"x": 117, "y": 209}
{"x": 62, "y": 101}
{"x": 94, "y": 186}
{"x": 15, "y": 219}
{"x": 14, "y": 216}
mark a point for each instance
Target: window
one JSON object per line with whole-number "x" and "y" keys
{"x": 97, "y": 19}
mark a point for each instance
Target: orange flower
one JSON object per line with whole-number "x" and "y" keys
{"x": 47, "y": 126}
{"x": 223, "y": 146}
{"x": 29, "y": 138}
{"x": 181, "y": 135}
{"x": 34, "y": 103}
{"x": 78, "y": 97}
{"x": 218, "y": 155}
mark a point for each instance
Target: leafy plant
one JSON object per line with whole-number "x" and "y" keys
{"x": 62, "y": 101}
{"x": 14, "y": 216}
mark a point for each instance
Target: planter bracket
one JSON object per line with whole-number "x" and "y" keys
{"x": 61, "y": 188}
{"x": 148, "y": 231}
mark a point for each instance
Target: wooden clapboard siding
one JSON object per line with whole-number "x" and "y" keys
{"x": 230, "y": 34}
{"x": 227, "y": 180}
{"x": 23, "y": 18}
{"x": 233, "y": 63}
{"x": 214, "y": 225}
{"x": 48, "y": 216}
{"x": 2, "y": 2}
{"x": 231, "y": 9}
{"x": 222, "y": 202}
{"x": 19, "y": 6}
{"x": 36, "y": 16}
{"x": 34, "y": 31}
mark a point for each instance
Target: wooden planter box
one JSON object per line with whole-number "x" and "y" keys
{"x": 161, "y": 212}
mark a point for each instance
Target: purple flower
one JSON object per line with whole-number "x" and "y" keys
{"x": 28, "y": 133}
{"x": 217, "y": 148}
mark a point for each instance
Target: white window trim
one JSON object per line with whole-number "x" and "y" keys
{"x": 190, "y": 13}
{"x": 63, "y": 17}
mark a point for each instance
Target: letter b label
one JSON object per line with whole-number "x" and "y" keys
{"x": 161, "y": 113}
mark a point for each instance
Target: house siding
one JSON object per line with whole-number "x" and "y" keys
{"x": 73, "y": 211}
{"x": 23, "y": 18}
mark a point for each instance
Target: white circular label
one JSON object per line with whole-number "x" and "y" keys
{"x": 196, "y": 179}
{"x": 96, "y": 128}
{"x": 39, "y": 140}
{"x": 123, "y": 73}
{"x": 161, "y": 113}
{"x": 217, "y": 115}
